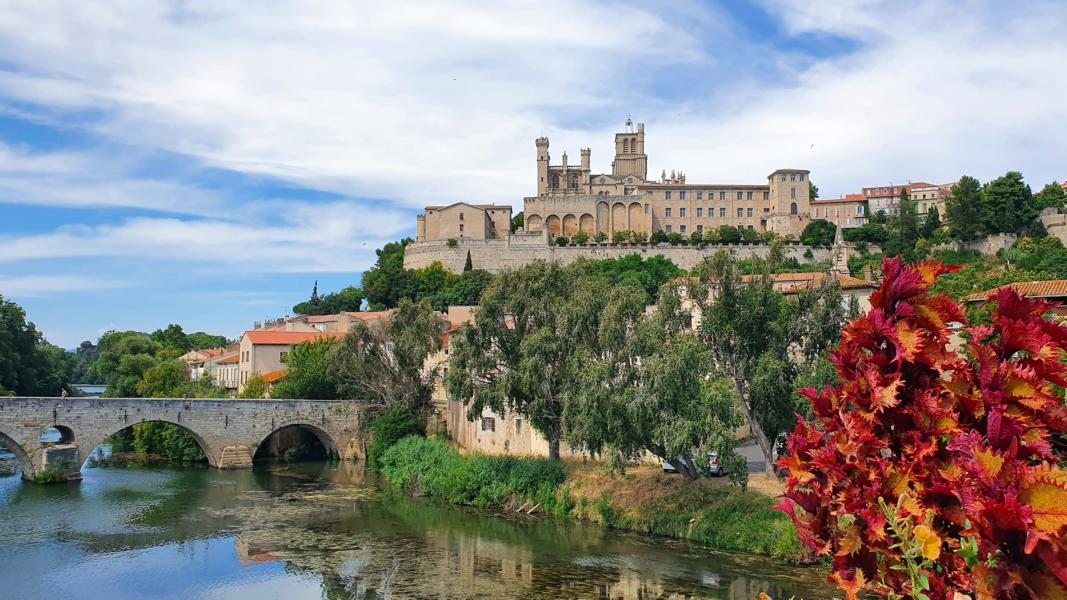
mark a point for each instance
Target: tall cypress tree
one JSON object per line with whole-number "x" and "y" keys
{"x": 468, "y": 266}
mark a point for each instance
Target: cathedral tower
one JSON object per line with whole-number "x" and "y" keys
{"x": 630, "y": 157}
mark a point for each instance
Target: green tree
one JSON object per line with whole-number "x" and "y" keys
{"x": 255, "y": 388}
{"x": 29, "y": 366}
{"x": 517, "y": 222}
{"x": 521, "y": 353}
{"x": 813, "y": 191}
{"x": 647, "y": 390}
{"x": 172, "y": 339}
{"x": 763, "y": 342}
{"x": 1051, "y": 196}
{"x": 387, "y": 281}
{"x": 600, "y": 237}
{"x": 696, "y": 237}
{"x": 907, "y": 220}
{"x": 311, "y": 373}
{"x": 871, "y": 233}
{"x": 1007, "y": 204}
{"x": 729, "y": 235}
{"x": 818, "y": 233}
{"x": 349, "y": 299}
{"x": 384, "y": 364}
{"x": 468, "y": 265}
{"x": 200, "y": 340}
{"x": 168, "y": 379}
{"x": 123, "y": 358}
{"x": 963, "y": 208}
{"x": 658, "y": 236}
{"x": 932, "y": 222}
{"x": 581, "y": 238}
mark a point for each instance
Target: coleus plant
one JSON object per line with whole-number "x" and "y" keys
{"x": 931, "y": 471}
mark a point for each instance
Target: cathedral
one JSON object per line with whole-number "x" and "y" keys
{"x": 571, "y": 198}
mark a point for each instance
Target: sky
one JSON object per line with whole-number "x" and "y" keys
{"x": 204, "y": 163}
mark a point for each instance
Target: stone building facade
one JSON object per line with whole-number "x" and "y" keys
{"x": 847, "y": 212}
{"x": 571, "y": 199}
{"x": 462, "y": 220}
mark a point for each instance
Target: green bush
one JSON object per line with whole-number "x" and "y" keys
{"x": 389, "y": 428}
{"x": 452, "y": 242}
{"x": 475, "y": 479}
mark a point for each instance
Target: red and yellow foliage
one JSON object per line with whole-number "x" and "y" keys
{"x": 966, "y": 444}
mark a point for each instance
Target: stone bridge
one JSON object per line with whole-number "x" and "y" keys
{"x": 228, "y": 431}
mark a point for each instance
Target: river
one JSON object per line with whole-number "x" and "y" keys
{"x": 329, "y": 532}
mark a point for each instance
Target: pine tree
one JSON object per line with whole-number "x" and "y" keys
{"x": 468, "y": 265}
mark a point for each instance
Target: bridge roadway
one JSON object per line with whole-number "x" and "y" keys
{"x": 228, "y": 431}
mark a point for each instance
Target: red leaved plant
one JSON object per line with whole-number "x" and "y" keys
{"x": 930, "y": 471}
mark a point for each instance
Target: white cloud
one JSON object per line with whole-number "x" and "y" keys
{"x": 328, "y": 237}
{"x": 46, "y": 285}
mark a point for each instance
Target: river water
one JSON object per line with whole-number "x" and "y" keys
{"x": 327, "y": 531}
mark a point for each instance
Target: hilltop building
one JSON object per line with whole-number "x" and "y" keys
{"x": 571, "y": 198}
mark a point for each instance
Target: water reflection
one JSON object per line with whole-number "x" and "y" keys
{"x": 326, "y": 531}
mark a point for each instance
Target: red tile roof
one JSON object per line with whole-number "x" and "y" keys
{"x": 1056, "y": 288}
{"x": 273, "y": 376}
{"x": 230, "y": 360}
{"x": 287, "y": 338}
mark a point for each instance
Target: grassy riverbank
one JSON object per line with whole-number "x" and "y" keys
{"x": 710, "y": 512}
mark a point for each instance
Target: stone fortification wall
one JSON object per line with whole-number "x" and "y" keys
{"x": 502, "y": 255}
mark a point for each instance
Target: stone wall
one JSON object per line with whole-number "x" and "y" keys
{"x": 228, "y": 431}
{"x": 502, "y": 255}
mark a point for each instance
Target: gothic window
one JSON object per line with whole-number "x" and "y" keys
{"x": 626, "y": 145}
{"x": 574, "y": 181}
{"x": 554, "y": 182}
{"x": 793, "y": 208}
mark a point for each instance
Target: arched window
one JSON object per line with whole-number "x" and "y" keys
{"x": 793, "y": 208}
{"x": 626, "y": 145}
{"x": 553, "y": 182}
{"x": 574, "y": 181}
{"x": 633, "y": 145}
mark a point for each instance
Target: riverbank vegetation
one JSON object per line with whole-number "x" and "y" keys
{"x": 714, "y": 513}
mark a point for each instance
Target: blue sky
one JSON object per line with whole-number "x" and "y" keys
{"x": 205, "y": 163}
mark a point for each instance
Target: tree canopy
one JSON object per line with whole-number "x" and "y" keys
{"x": 310, "y": 372}
{"x": 349, "y": 299}
{"x": 522, "y": 353}
{"x": 30, "y": 366}
{"x": 383, "y": 363}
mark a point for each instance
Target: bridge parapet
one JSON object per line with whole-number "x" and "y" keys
{"x": 228, "y": 431}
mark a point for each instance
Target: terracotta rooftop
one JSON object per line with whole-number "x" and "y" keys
{"x": 791, "y": 283}
{"x": 273, "y": 376}
{"x": 1056, "y": 288}
{"x": 230, "y": 360}
{"x": 287, "y": 338}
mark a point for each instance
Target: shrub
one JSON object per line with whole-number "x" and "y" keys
{"x": 389, "y": 428}
{"x": 452, "y": 242}
{"x": 581, "y": 238}
{"x": 928, "y": 471}
{"x": 474, "y": 479}
{"x": 600, "y": 237}
{"x": 562, "y": 240}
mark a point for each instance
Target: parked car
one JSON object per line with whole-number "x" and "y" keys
{"x": 713, "y": 463}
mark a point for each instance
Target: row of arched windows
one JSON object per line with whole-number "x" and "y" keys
{"x": 629, "y": 145}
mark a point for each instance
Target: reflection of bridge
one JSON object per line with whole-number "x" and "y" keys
{"x": 228, "y": 431}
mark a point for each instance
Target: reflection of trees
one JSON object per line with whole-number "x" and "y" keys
{"x": 365, "y": 545}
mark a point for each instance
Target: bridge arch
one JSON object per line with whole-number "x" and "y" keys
{"x": 23, "y": 459}
{"x": 98, "y": 437}
{"x": 329, "y": 445}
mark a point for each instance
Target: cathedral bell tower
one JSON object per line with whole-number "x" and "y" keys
{"x": 630, "y": 157}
